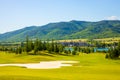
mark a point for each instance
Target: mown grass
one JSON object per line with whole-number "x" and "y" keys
{"x": 90, "y": 67}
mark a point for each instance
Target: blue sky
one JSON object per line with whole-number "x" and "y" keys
{"x": 16, "y": 14}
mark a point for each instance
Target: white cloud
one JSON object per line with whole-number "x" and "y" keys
{"x": 112, "y": 18}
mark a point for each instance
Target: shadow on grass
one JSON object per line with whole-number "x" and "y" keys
{"x": 43, "y": 54}
{"x": 116, "y": 58}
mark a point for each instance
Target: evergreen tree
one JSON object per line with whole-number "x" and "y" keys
{"x": 44, "y": 45}
{"x": 56, "y": 49}
{"x": 66, "y": 52}
{"x": 69, "y": 52}
{"x": 18, "y": 50}
{"x": 39, "y": 45}
{"x": 74, "y": 52}
{"x": 114, "y": 52}
{"x": 36, "y": 46}
{"x": 52, "y": 45}
{"x": 118, "y": 48}
{"x": 47, "y": 45}
{"x": 61, "y": 48}
{"x": 28, "y": 45}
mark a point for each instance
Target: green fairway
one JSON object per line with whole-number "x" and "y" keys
{"x": 90, "y": 67}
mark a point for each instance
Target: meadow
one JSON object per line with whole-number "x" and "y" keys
{"x": 104, "y": 40}
{"x": 92, "y": 66}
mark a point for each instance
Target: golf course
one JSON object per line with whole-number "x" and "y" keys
{"x": 59, "y": 40}
{"x": 92, "y": 66}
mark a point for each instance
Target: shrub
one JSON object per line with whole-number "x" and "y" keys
{"x": 114, "y": 52}
{"x": 107, "y": 55}
{"x": 73, "y": 52}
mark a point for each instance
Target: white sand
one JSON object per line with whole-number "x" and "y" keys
{"x": 44, "y": 64}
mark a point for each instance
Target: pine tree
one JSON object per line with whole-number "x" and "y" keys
{"x": 36, "y": 46}
{"x": 40, "y": 45}
{"x": 114, "y": 52}
{"x": 27, "y": 44}
{"x": 56, "y": 49}
{"x": 44, "y": 46}
{"x": 19, "y": 50}
{"x": 52, "y": 45}
{"x": 47, "y": 45}
{"x": 118, "y": 48}
{"x": 61, "y": 48}
{"x": 74, "y": 52}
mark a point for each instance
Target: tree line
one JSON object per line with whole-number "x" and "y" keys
{"x": 53, "y": 47}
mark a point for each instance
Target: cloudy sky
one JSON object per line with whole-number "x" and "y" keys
{"x": 16, "y": 14}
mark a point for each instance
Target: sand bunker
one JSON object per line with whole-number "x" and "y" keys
{"x": 44, "y": 64}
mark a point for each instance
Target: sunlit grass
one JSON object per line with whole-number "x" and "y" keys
{"x": 90, "y": 67}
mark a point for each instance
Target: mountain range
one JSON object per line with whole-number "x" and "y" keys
{"x": 66, "y": 30}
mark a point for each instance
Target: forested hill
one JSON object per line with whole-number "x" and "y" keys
{"x": 66, "y": 30}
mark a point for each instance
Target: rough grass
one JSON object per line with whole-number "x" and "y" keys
{"x": 104, "y": 40}
{"x": 90, "y": 67}
{"x": 109, "y": 40}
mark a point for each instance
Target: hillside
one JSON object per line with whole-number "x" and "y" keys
{"x": 66, "y": 30}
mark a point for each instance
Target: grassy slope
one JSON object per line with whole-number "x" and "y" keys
{"x": 91, "y": 67}
{"x": 66, "y": 30}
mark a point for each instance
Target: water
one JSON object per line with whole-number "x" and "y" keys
{"x": 100, "y": 49}
{"x": 69, "y": 48}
